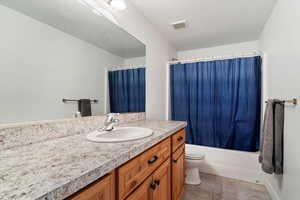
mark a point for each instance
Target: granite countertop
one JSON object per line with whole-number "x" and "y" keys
{"x": 59, "y": 167}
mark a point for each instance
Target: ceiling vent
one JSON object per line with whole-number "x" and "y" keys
{"x": 179, "y": 24}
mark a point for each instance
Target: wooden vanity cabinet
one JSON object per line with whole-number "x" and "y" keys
{"x": 156, "y": 174}
{"x": 168, "y": 179}
{"x": 134, "y": 172}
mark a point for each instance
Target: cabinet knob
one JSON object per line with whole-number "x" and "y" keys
{"x": 153, "y": 160}
{"x": 153, "y": 186}
{"x": 180, "y": 138}
{"x": 157, "y": 182}
{"x": 174, "y": 161}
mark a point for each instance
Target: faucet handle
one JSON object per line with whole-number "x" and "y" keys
{"x": 110, "y": 116}
{"x": 77, "y": 114}
{"x": 109, "y": 121}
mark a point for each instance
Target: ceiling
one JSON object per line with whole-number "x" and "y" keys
{"x": 75, "y": 19}
{"x": 210, "y": 22}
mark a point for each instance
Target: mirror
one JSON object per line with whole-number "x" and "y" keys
{"x": 55, "y": 50}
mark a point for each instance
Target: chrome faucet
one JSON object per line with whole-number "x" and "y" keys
{"x": 110, "y": 121}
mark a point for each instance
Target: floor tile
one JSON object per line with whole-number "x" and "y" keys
{"x": 198, "y": 195}
{"x": 221, "y": 188}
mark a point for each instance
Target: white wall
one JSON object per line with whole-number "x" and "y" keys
{"x": 40, "y": 65}
{"x": 224, "y": 50}
{"x": 280, "y": 42}
{"x": 137, "y": 61}
{"x": 158, "y": 52}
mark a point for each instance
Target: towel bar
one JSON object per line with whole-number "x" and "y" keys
{"x": 76, "y": 100}
{"x": 292, "y": 101}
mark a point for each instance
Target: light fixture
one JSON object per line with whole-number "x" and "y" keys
{"x": 97, "y": 9}
{"x": 117, "y": 4}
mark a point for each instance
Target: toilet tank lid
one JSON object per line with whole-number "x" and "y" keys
{"x": 193, "y": 152}
{"x": 195, "y": 156}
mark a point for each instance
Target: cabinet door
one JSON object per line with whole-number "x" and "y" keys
{"x": 101, "y": 190}
{"x": 162, "y": 180}
{"x": 178, "y": 174}
{"x": 143, "y": 192}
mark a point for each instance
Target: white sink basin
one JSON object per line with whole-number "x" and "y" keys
{"x": 119, "y": 134}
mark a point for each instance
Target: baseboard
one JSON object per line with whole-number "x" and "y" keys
{"x": 271, "y": 190}
{"x": 232, "y": 172}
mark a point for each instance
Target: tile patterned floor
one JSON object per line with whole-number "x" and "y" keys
{"x": 221, "y": 188}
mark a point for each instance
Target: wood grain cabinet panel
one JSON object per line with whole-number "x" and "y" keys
{"x": 162, "y": 179}
{"x": 104, "y": 189}
{"x": 178, "y": 174}
{"x": 178, "y": 139}
{"x": 134, "y": 172}
{"x": 143, "y": 192}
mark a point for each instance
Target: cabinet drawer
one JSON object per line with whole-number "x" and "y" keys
{"x": 133, "y": 173}
{"x": 178, "y": 139}
{"x": 178, "y": 153}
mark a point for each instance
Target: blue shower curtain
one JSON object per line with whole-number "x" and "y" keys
{"x": 127, "y": 90}
{"x": 220, "y": 100}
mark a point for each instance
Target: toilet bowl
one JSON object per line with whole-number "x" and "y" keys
{"x": 193, "y": 161}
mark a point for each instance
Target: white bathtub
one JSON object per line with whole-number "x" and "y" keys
{"x": 229, "y": 163}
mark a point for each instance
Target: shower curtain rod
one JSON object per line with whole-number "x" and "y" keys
{"x": 211, "y": 58}
{"x": 114, "y": 68}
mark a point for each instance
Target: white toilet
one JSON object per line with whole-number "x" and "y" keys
{"x": 193, "y": 160}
